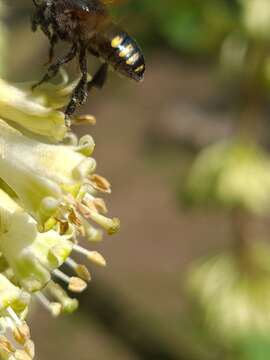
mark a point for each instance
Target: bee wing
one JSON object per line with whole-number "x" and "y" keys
{"x": 112, "y": 2}
{"x": 84, "y": 5}
{"x": 90, "y": 5}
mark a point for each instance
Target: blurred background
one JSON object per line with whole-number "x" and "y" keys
{"x": 188, "y": 276}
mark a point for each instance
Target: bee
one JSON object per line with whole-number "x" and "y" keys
{"x": 87, "y": 26}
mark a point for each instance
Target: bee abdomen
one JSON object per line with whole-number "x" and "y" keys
{"x": 121, "y": 51}
{"x": 128, "y": 57}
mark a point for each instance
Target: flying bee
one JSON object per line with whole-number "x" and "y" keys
{"x": 88, "y": 28}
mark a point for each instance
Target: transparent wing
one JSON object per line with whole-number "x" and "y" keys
{"x": 79, "y": 5}
{"x": 112, "y": 2}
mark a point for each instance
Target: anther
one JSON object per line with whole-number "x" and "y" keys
{"x": 93, "y": 256}
{"x": 73, "y": 218}
{"x": 100, "y": 183}
{"x": 80, "y": 269}
{"x": 63, "y": 226}
{"x": 75, "y": 284}
{"x": 111, "y": 225}
{"x": 97, "y": 204}
{"x": 84, "y": 119}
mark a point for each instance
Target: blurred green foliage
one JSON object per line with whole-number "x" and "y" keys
{"x": 232, "y": 289}
{"x": 191, "y": 26}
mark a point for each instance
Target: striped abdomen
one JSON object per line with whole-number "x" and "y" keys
{"x": 118, "y": 49}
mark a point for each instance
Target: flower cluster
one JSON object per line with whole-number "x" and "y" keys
{"x": 234, "y": 174}
{"x": 231, "y": 292}
{"x": 48, "y": 200}
{"x": 256, "y": 16}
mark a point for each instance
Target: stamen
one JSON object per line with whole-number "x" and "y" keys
{"x": 68, "y": 305}
{"x": 75, "y": 284}
{"x": 9, "y": 323}
{"x": 111, "y": 225}
{"x": 73, "y": 218}
{"x": 93, "y": 203}
{"x": 80, "y": 269}
{"x": 22, "y": 333}
{"x": 62, "y": 276}
{"x": 14, "y": 316}
{"x": 97, "y": 258}
{"x": 100, "y": 183}
{"x": 100, "y": 205}
{"x": 81, "y": 231}
{"x": 63, "y": 226}
{"x": 53, "y": 307}
{"x": 5, "y": 345}
{"x": 93, "y": 256}
{"x": 83, "y": 272}
{"x": 85, "y": 119}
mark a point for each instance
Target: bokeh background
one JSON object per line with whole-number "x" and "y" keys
{"x": 188, "y": 276}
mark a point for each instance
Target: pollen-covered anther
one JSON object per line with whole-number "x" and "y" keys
{"x": 84, "y": 119}
{"x": 75, "y": 284}
{"x": 100, "y": 183}
{"x": 97, "y": 258}
{"x": 80, "y": 270}
{"x": 93, "y": 256}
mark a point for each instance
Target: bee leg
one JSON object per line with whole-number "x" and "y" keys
{"x": 80, "y": 92}
{"x": 53, "y": 42}
{"x": 99, "y": 78}
{"x": 54, "y": 68}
